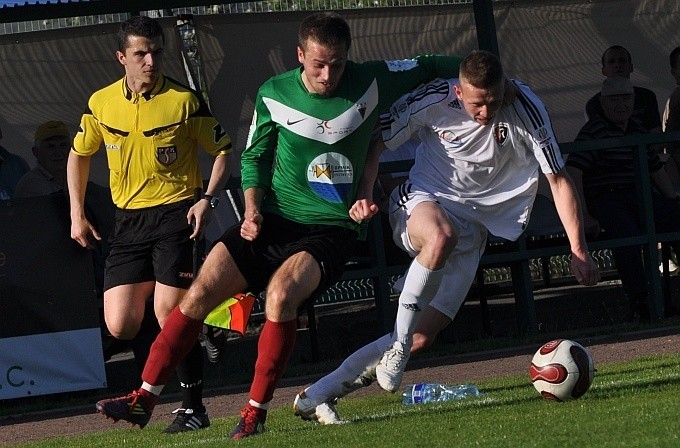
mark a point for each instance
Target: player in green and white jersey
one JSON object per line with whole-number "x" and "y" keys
{"x": 314, "y": 127}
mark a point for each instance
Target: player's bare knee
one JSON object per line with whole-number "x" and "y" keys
{"x": 125, "y": 331}
{"x": 443, "y": 242}
{"x": 278, "y": 305}
{"x": 198, "y": 302}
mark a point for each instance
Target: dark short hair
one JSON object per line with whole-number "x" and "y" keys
{"x": 142, "y": 26}
{"x": 617, "y": 47}
{"x": 675, "y": 57}
{"x": 326, "y": 28}
{"x": 482, "y": 69}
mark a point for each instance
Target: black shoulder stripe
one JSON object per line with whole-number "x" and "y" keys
{"x": 551, "y": 157}
{"x": 428, "y": 94}
{"x": 179, "y": 84}
{"x": 203, "y": 109}
{"x": 404, "y": 190}
{"x": 537, "y": 121}
{"x": 152, "y": 132}
{"x": 115, "y": 131}
{"x": 435, "y": 92}
{"x": 531, "y": 110}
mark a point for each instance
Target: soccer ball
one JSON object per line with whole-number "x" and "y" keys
{"x": 562, "y": 370}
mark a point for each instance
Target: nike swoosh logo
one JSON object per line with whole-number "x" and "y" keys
{"x": 289, "y": 122}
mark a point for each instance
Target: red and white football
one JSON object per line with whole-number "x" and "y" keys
{"x": 562, "y": 370}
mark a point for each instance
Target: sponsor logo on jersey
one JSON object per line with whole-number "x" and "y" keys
{"x": 111, "y": 146}
{"x": 451, "y": 138}
{"x": 361, "y": 108}
{"x": 401, "y": 65}
{"x": 501, "y": 133}
{"x": 290, "y": 122}
{"x": 326, "y": 127}
{"x": 329, "y": 130}
{"x": 166, "y": 154}
{"x": 455, "y": 104}
{"x": 330, "y": 175}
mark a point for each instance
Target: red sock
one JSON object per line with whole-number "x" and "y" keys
{"x": 172, "y": 344}
{"x": 149, "y": 398}
{"x": 274, "y": 348}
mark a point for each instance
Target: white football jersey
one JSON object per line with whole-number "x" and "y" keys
{"x": 485, "y": 173}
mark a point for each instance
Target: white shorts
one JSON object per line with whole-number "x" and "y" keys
{"x": 460, "y": 268}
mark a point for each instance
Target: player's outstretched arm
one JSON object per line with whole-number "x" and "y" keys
{"x": 569, "y": 209}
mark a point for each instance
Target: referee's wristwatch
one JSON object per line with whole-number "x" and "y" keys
{"x": 212, "y": 200}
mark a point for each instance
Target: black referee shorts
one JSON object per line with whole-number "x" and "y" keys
{"x": 151, "y": 244}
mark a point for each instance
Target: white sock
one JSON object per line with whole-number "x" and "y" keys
{"x": 156, "y": 390}
{"x": 254, "y": 403}
{"x": 348, "y": 377}
{"x": 420, "y": 286}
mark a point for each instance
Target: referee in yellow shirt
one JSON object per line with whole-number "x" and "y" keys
{"x": 151, "y": 128}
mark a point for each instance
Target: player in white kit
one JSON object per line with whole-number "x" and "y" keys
{"x": 475, "y": 172}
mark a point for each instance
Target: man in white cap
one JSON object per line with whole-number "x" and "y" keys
{"x": 52, "y": 142}
{"x": 618, "y": 62}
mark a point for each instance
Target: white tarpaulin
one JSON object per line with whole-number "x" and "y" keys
{"x": 51, "y": 363}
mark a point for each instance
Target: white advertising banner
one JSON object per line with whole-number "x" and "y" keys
{"x": 51, "y": 363}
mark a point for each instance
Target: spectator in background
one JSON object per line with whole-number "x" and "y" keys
{"x": 606, "y": 181}
{"x": 671, "y": 119}
{"x": 671, "y": 123}
{"x": 52, "y": 142}
{"x": 617, "y": 61}
{"x": 12, "y": 168}
{"x": 51, "y": 145}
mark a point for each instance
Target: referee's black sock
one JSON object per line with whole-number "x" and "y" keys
{"x": 190, "y": 375}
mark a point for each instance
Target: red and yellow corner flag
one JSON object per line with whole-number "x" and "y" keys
{"x": 233, "y": 313}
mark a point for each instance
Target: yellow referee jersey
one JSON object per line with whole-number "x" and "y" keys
{"x": 151, "y": 141}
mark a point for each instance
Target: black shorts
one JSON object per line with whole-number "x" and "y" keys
{"x": 280, "y": 238}
{"x": 151, "y": 244}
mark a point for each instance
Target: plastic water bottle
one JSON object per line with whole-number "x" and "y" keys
{"x": 434, "y": 392}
